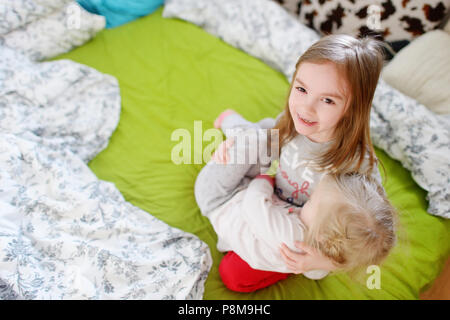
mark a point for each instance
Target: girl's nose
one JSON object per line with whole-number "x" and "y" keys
{"x": 308, "y": 106}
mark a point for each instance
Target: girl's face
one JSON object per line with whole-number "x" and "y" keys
{"x": 318, "y": 99}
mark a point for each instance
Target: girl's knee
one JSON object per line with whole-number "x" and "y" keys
{"x": 200, "y": 189}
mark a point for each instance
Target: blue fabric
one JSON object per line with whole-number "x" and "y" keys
{"x": 117, "y": 12}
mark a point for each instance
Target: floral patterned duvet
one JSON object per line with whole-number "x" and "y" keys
{"x": 65, "y": 234}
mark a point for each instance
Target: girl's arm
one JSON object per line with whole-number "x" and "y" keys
{"x": 248, "y": 147}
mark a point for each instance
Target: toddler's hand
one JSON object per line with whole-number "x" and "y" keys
{"x": 309, "y": 259}
{"x": 220, "y": 156}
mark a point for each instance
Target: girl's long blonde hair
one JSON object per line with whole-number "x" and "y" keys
{"x": 360, "y": 62}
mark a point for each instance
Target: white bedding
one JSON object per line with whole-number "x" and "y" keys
{"x": 64, "y": 234}
{"x": 42, "y": 29}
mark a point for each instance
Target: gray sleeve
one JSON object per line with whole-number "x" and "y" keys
{"x": 236, "y": 121}
{"x": 217, "y": 183}
{"x": 251, "y": 148}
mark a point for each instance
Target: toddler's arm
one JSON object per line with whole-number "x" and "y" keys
{"x": 269, "y": 223}
{"x": 267, "y": 220}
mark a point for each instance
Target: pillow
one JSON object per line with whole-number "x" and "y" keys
{"x": 261, "y": 28}
{"x": 59, "y": 32}
{"x": 423, "y": 74}
{"x": 392, "y": 20}
{"x": 118, "y": 12}
{"x": 400, "y": 125}
{"x": 17, "y": 13}
{"x": 418, "y": 138}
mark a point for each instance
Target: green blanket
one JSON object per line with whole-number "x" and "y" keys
{"x": 172, "y": 73}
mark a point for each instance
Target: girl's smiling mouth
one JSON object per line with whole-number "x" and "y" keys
{"x": 306, "y": 122}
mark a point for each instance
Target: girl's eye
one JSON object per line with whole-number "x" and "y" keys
{"x": 328, "y": 101}
{"x": 301, "y": 89}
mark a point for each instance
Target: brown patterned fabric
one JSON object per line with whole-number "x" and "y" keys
{"x": 389, "y": 20}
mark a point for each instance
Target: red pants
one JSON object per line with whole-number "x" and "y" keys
{"x": 237, "y": 275}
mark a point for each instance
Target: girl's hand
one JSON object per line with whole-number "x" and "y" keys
{"x": 220, "y": 156}
{"x": 309, "y": 259}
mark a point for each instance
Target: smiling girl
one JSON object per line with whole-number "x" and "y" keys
{"x": 324, "y": 126}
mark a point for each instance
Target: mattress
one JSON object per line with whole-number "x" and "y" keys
{"x": 174, "y": 75}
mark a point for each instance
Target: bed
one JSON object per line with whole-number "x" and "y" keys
{"x": 172, "y": 73}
